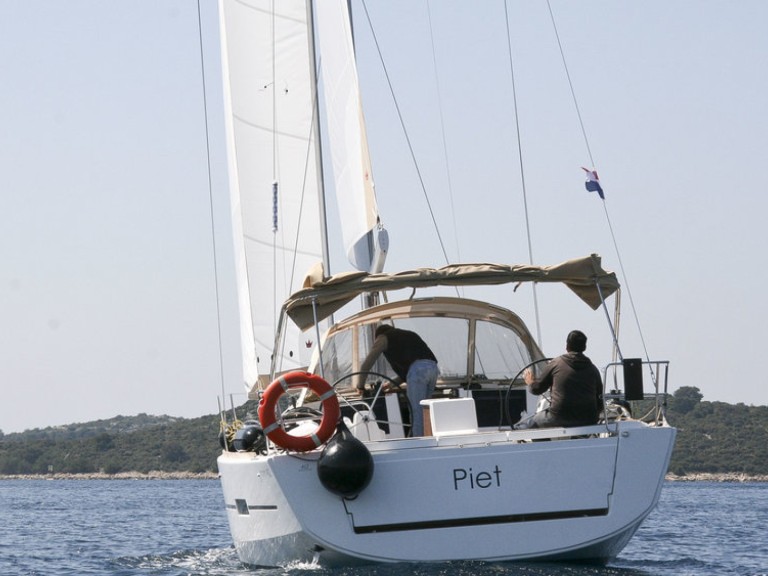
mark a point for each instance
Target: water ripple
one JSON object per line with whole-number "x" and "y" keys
{"x": 178, "y": 528}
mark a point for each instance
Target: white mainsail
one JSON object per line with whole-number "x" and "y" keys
{"x": 275, "y": 170}
{"x": 272, "y": 138}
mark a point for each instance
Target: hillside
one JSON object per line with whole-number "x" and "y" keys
{"x": 716, "y": 437}
{"x": 713, "y": 437}
{"x": 122, "y": 444}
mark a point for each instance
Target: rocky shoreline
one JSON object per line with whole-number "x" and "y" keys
{"x": 733, "y": 477}
{"x": 718, "y": 477}
{"x": 152, "y": 475}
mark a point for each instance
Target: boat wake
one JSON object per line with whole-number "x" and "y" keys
{"x": 212, "y": 562}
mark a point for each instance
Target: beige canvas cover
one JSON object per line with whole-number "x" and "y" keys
{"x": 585, "y": 276}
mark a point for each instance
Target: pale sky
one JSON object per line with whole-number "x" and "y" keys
{"x": 108, "y": 298}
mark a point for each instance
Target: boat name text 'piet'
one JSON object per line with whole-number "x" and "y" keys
{"x": 467, "y": 479}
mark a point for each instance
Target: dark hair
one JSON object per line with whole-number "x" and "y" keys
{"x": 383, "y": 329}
{"x": 576, "y": 341}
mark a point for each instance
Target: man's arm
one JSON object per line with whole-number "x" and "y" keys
{"x": 379, "y": 345}
{"x": 599, "y": 381}
{"x": 543, "y": 383}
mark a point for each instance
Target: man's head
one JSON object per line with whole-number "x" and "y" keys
{"x": 576, "y": 341}
{"x": 383, "y": 329}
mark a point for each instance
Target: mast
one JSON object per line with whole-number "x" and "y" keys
{"x": 326, "y": 252}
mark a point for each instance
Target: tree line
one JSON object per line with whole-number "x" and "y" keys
{"x": 713, "y": 437}
{"x": 124, "y": 444}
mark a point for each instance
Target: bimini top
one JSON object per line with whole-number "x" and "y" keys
{"x": 585, "y": 276}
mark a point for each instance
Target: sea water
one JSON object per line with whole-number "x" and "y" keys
{"x": 178, "y": 527}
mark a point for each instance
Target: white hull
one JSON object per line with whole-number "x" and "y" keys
{"x": 495, "y": 496}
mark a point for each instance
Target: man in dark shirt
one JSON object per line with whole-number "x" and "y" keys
{"x": 577, "y": 389}
{"x": 412, "y": 361}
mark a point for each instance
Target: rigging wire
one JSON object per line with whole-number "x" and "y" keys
{"x": 522, "y": 171}
{"x": 405, "y": 133}
{"x": 605, "y": 206}
{"x": 211, "y": 206}
{"x": 442, "y": 131}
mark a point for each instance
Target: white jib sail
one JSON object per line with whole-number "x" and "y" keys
{"x": 269, "y": 94}
{"x": 346, "y": 135}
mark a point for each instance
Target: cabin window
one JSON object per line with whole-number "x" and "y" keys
{"x": 337, "y": 357}
{"x": 448, "y": 338}
{"x": 500, "y": 353}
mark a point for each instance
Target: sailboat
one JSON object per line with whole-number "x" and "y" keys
{"x": 320, "y": 474}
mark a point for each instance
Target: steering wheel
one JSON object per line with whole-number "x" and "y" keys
{"x": 512, "y": 383}
{"x": 367, "y": 404}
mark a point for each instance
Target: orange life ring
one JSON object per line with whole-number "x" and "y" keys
{"x": 275, "y": 431}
